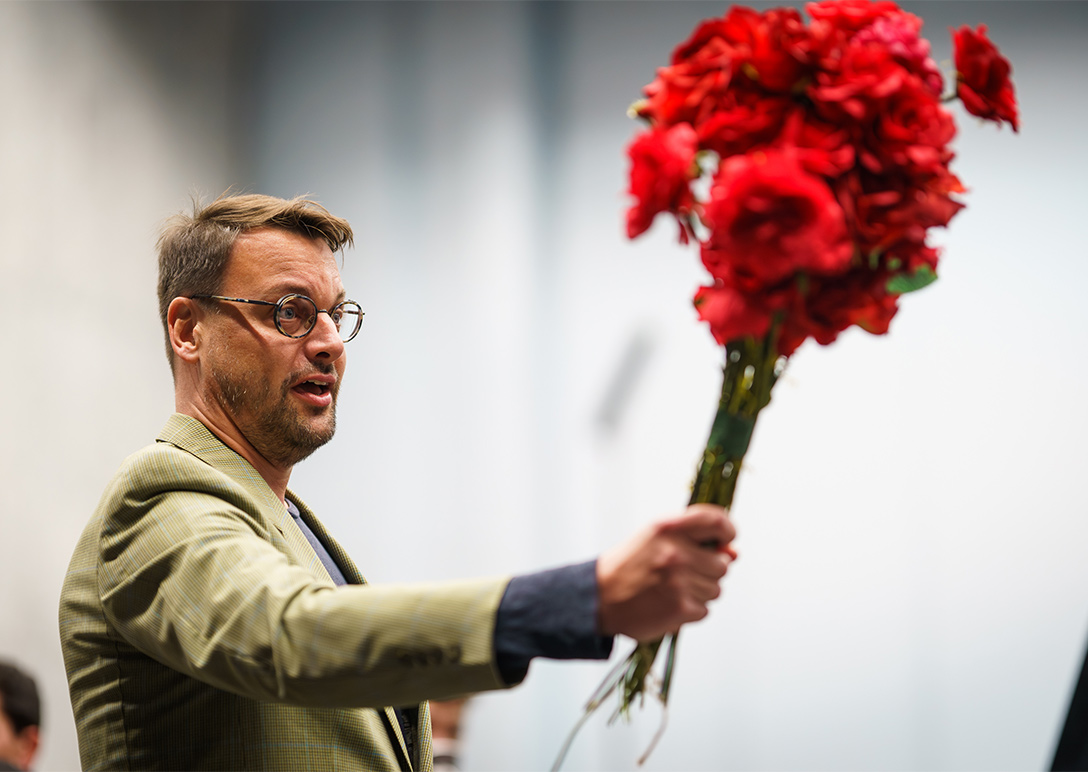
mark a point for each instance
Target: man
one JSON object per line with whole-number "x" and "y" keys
{"x": 209, "y": 621}
{"x": 446, "y": 733}
{"x": 20, "y": 718}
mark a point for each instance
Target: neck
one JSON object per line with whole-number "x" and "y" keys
{"x": 276, "y": 476}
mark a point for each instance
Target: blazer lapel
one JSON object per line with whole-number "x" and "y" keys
{"x": 193, "y": 437}
{"x": 339, "y": 554}
{"x": 392, "y": 727}
{"x": 354, "y": 576}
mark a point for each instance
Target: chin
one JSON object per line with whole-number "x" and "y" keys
{"x": 317, "y": 432}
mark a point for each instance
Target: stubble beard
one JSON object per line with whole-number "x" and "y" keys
{"x": 273, "y": 426}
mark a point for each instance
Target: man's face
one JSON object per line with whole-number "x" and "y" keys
{"x": 16, "y": 748}
{"x": 279, "y": 392}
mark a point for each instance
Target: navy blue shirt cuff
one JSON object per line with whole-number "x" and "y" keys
{"x": 550, "y": 614}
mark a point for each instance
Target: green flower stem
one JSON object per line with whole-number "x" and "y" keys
{"x": 747, "y": 379}
{"x": 750, "y": 372}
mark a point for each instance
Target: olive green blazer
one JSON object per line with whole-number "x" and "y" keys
{"x": 200, "y": 630}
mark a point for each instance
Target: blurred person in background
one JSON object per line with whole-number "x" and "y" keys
{"x": 208, "y": 619}
{"x": 20, "y": 718}
{"x": 446, "y": 717}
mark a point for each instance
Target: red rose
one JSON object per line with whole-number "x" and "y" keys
{"x": 771, "y": 47}
{"x": 731, "y": 313}
{"x": 772, "y": 43}
{"x": 858, "y": 88}
{"x": 883, "y": 211}
{"x": 748, "y": 120}
{"x": 927, "y": 202}
{"x": 900, "y": 33}
{"x": 851, "y": 15}
{"x": 661, "y": 168}
{"x": 829, "y": 305}
{"x": 698, "y": 78}
{"x": 911, "y": 134}
{"x": 770, "y": 219}
{"x": 818, "y": 307}
{"x": 860, "y": 298}
{"x": 745, "y": 51}
{"x": 708, "y": 36}
{"x": 982, "y": 77}
{"x": 820, "y": 148}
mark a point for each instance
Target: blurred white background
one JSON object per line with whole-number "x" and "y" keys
{"x": 529, "y": 386}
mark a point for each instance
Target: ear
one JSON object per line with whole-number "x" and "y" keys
{"x": 182, "y": 321}
{"x": 27, "y": 741}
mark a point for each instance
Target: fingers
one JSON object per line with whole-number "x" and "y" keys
{"x": 702, "y": 561}
{"x": 703, "y": 589}
{"x": 699, "y": 577}
{"x": 702, "y": 523}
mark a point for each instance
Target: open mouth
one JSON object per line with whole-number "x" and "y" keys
{"x": 314, "y": 387}
{"x": 316, "y": 391}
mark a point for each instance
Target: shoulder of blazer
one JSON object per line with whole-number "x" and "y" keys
{"x": 188, "y": 459}
{"x": 189, "y": 435}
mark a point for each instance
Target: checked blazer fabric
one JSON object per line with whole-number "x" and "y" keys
{"x": 200, "y": 630}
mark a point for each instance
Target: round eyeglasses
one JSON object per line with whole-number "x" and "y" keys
{"x": 296, "y": 315}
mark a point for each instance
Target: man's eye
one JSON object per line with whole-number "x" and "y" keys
{"x": 288, "y": 314}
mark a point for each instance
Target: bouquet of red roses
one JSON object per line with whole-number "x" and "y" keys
{"x": 808, "y": 163}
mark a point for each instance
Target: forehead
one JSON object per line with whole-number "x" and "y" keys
{"x": 275, "y": 260}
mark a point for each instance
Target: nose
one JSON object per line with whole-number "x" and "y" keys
{"x": 324, "y": 340}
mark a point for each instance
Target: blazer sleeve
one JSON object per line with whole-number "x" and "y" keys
{"x": 195, "y": 575}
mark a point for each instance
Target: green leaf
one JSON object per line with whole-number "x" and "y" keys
{"x": 902, "y": 283}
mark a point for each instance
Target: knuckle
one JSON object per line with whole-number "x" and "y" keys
{"x": 668, "y": 556}
{"x": 660, "y": 529}
{"x": 695, "y": 611}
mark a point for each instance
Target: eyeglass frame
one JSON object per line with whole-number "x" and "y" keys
{"x": 291, "y": 296}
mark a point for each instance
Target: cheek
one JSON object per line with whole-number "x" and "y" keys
{"x": 246, "y": 353}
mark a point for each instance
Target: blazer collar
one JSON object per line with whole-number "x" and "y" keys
{"x": 192, "y": 436}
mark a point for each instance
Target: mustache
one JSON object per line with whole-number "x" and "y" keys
{"x": 300, "y": 375}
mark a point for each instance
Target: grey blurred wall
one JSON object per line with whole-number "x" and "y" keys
{"x": 111, "y": 118}
{"x": 529, "y": 386}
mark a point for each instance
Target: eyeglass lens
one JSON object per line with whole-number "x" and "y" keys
{"x": 296, "y": 315}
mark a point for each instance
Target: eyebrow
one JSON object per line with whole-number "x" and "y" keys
{"x": 280, "y": 290}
